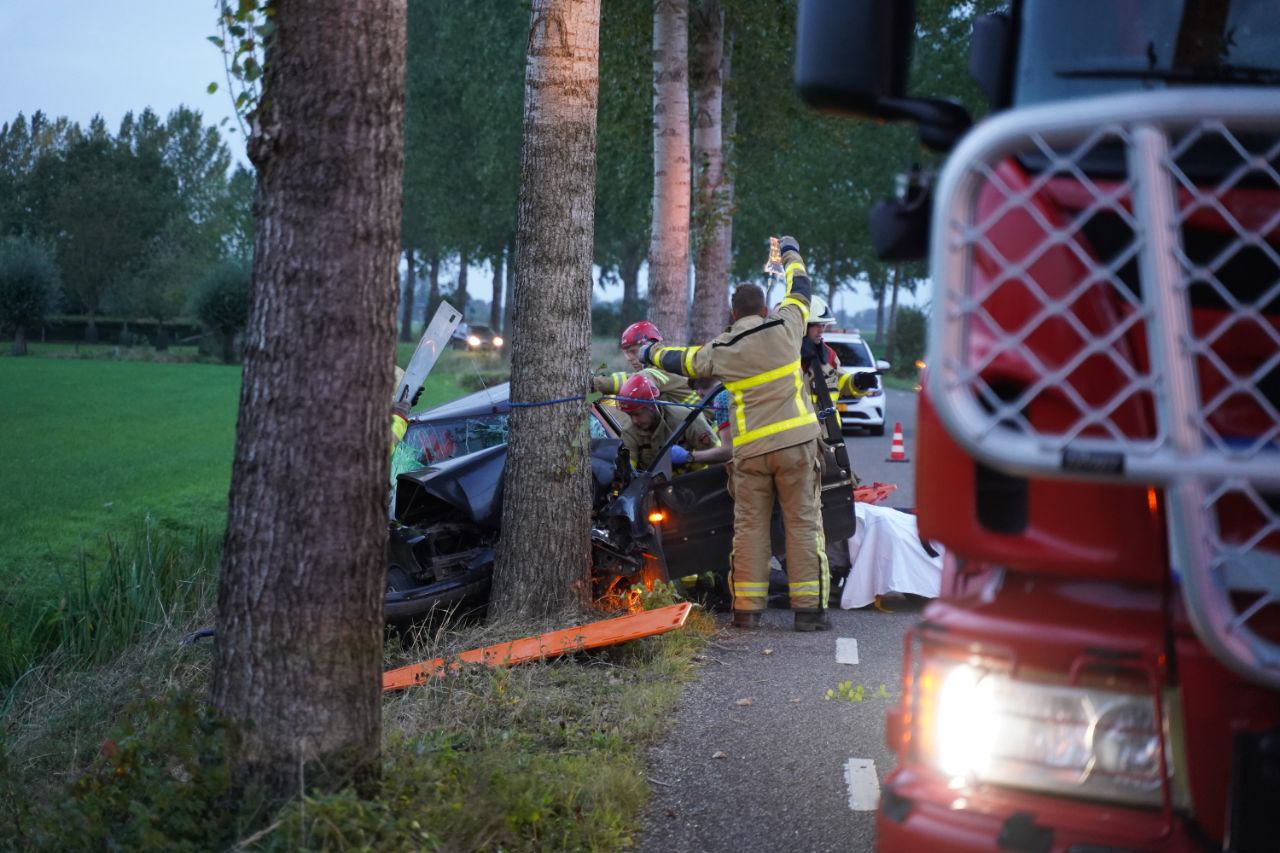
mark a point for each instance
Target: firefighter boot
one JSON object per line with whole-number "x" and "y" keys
{"x": 814, "y": 619}
{"x": 746, "y": 619}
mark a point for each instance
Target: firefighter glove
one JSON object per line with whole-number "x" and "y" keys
{"x": 864, "y": 381}
{"x": 401, "y": 409}
{"x": 643, "y": 355}
{"x": 680, "y": 456}
{"x": 417, "y": 395}
{"x": 788, "y": 244}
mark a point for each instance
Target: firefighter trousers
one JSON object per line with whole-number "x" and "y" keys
{"x": 794, "y": 475}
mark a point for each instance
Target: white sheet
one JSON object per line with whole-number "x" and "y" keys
{"x": 887, "y": 557}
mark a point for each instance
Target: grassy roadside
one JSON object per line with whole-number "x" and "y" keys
{"x": 536, "y": 757}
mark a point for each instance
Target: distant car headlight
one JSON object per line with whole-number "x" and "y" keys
{"x": 976, "y": 724}
{"x": 497, "y": 341}
{"x": 473, "y": 341}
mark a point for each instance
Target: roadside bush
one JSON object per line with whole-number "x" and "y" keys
{"x": 222, "y": 303}
{"x": 909, "y": 339}
{"x": 29, "y": 288}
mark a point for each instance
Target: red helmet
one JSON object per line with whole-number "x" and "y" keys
{"x": 639, "y": 333}
{"x": 637, "y": 392}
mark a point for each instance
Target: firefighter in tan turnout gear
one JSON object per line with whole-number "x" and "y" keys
{"x": 671, "y": 388}
{"x": 775, "y": 443}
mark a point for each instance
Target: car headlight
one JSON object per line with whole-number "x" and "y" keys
{"x": 978, "y": 724}
{"x": 473, "y": 341}
{"x": 497, "y": 341}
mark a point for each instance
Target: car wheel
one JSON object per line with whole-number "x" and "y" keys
{"x": 876, "y": 430}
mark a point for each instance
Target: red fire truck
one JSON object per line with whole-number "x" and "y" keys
{"x": 1099, "y": 433}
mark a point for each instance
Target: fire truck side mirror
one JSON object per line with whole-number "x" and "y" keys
{"x": 990, "y": 59}
{"x": 852, "y": 54}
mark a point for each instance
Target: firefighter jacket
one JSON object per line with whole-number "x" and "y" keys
{"x": 645, "y": 444}
{"x": 671, "y": 388}
{"x": 758, "y": 360}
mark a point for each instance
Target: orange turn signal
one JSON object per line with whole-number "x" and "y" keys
{"x": 657, "y": 517}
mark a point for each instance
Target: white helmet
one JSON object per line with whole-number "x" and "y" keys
{"x": 819, "y": 313}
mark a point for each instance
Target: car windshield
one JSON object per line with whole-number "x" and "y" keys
{"x": 1095, "y": 47}
{"x": 851, "y": 355}
{"x": 438, "y": 441}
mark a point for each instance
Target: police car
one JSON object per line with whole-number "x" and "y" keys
{"x": 867, "y": 411}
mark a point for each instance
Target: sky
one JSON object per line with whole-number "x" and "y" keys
{"x": 81, "y": 57}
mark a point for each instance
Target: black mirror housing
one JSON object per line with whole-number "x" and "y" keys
{"x": 853, "y": 54}
{"x": 991, "y": 59}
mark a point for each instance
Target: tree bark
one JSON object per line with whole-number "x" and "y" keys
{"x": 880, "y": 313}
{"x": 433, "y": 285}
{"x": 629, "y": 272}
{"x": 406, "y": 301}
{"x": 299, "y": 625}
{"x": 19, "y": 346}
{"x": 495, "y": 301}
{"x": 669, "y": 240}
{"x": 460, "y": 293}
{"x": 543, "y": 563}
{"x": 728, "y": 186}
{"x": 893, "y": 315}
{"x": 711, "y": 292}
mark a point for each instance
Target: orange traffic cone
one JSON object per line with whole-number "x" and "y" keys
{"x": 898, "y": 452}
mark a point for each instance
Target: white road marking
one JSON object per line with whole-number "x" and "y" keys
{"x": 846, "y": 650}
{"x": 863, "y": 784}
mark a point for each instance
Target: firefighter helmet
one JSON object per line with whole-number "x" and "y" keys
{"x": 637, "y": 392}
{"x": 819, "y": 313}
{"x": 639, "y": 333}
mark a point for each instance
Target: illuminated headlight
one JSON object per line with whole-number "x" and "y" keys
{"x": 497, "y": 341}
{"x": 874, "y": 392}
{"x": 473, "y": 341}
{"x": 978, "y": 725}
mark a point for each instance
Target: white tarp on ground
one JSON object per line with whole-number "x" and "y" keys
{"x": 887, "y": 556}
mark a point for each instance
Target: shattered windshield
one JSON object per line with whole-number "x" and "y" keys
{"x": 1096, "y": 47}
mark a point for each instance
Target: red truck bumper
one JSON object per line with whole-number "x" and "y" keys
{"x": 918, "y": 812}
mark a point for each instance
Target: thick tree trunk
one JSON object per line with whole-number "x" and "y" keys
{"x": 669, "y": 242}
{"x": 433, "y": 285}
{"x": 19, "y": 346}
{"x": 495, "y": 301}
{"x": 406, "y": 301}
{"x": 460, "y": 292}
{"x": 299, "y": 627}
{"x": 544, "y": 553}
{"x": 629, "y": 272}
{"x": 728, "y": 185}
{"x": 711, "y": 293}
{"x": 893, "y": 315}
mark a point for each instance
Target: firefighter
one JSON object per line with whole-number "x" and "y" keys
{"x": 671, "y": 388}
{"x": 651, "y": 425}
{"x": 846, "y": 385}
{"x": 775, "y": 443}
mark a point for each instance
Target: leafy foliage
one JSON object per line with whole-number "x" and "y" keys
{"x": 222, "y": 302}
{"x": 29, "y": 284}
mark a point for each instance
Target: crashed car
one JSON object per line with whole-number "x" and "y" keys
{"x": 647, "y": 525}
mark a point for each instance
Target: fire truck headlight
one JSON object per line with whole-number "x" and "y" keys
{"x": 979, "y": 725}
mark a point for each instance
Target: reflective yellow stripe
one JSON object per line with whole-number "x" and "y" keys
{"x": 739, "y": 411}
{"x": 793, "y": 268}
{"x": 774, "y": 429}
{"x": 761, "y": 378}
{"x": 399, "y": 426}
{"x": 804, "y": 309}
{"x": 688, "y": 360}
{"x": 803, "y": 586}
{"x": 800, "y": 407}
{"x": 744, "y": 589}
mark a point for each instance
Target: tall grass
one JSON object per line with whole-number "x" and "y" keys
{"x": 149, "y": 579}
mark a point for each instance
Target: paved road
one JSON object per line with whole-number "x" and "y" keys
{"x": 780, "y": 781}
{"x": 868, "y": 453}
{"x": 771, "y": 774}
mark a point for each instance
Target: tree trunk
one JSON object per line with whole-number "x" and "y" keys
{"x": 880, "y": 313}
{"x": 544, "y": 553}
{"x": 629, "y": 272}
{"x": 162, "y": 337}
{"x": 91, "y": 330}
{"x": 711, "y": 293}
{"x": 509, "y": 298}
{"x": 228, "y": 347}
{"x": 728, "y": 184}
{"x": 433, "y": 285}
{"x": 460, "y": 292}
{"x": 669, "y": 242}
{"x": 299, "y": 650}
{"x": 495, "y": 301}
{"x": 893, "y": 315}
{"x": 406, "y": 303}
{"x": 19, "y": 346}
